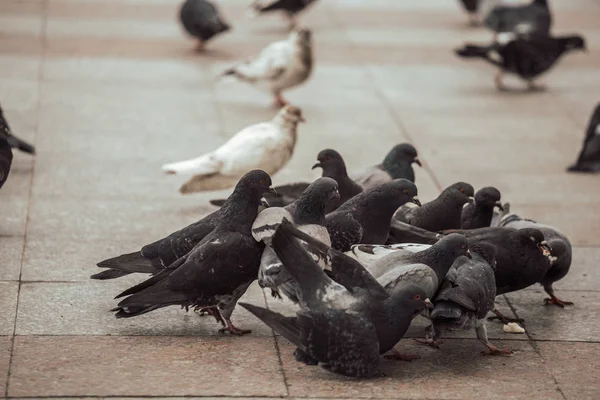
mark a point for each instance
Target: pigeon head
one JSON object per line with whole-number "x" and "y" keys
{"x": 454, "y": 245}
{"x": 410, "y": 298}
{"x": 459, "y": 192}
{"x": 534, "y": 237}
{"x": 332, "y": 163}
{"x": 302, "y": 36}
{"x": 291, "y": 115}
{"x": 487, "y": 251}
{"x": 398, "y": 162}
{"x": 310, "y": 206}
{"x": 404, "y": 191}
{"x": 488, "y": 197}
{"x": 256, "y": 182}
{"x": 575, "y": 42}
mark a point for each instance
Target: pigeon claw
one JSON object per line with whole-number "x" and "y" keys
{"x": 396, "y": 355}
{"x": 232, "y": 330}
{"x": 555, "y": 301}
{"x": 214, "y": 311}
{"x": 430, "y": 342}
{"x": 494, "y": 351}
{"x": 275, "y": 294}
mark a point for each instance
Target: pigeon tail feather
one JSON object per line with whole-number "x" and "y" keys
{"x": 131, "y": 262}
{"x": 446, "y": 310}
{"x": 473, "y": 51}
{"x": 110, "y": 274}
{"x": 17, "y": 143}
{"x": 288, "y": 327}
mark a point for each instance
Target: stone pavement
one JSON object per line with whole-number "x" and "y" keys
{"x": 109, "y": 90}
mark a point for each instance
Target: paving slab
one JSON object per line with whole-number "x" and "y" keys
{"x": 144, "y": 366}
{"x": 5, "y": 350}
{"x": 8, "y": 305}
{"x": 584, "y": 273}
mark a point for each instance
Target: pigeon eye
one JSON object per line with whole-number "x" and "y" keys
{"x": 262, "y": 181}
{"x": 418, "y": 297}
{"x": 405, "y": 191}
{"x": 462, "y": 190}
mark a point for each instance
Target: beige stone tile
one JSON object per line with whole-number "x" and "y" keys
{"x": 455, "y": 371}
{"x": 5, "y": 348}
{"x": 143, "y": 366}
{"x": 574, "y": 366}
{"x": 580, "y": 394}
{"x": 8, "y": 303}
{"x": 584, "y": 274}
{"x": 11, "y": 250}
{"x": 83, "y": 309}
{"x": 573, "y": 323}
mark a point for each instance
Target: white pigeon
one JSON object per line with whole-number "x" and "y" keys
{"x": 369, "y": 254}
{"x": 267, "y": 146}
{"x": 279, "y": 66}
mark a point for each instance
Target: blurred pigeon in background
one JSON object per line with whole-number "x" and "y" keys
{"x": 279, "y": 66}
{"x": 526, "y": 57}
{"x": 290, "y": 8}
{"x": 533, "y": 18}
{"x": 479, "y": 214}
{"x": 12, "y": 140}
{"x": 465, "y": 297}
{"x": 201, "y": 19}
{"x": 442, "y": 213}
{"x": 397, "y": 164}
{"x": 562, "y": 253}
{"x": 267, "y": 146}
{"x": 589, "y": 157}
{"x": 307, "y": 214}
{"x": 218, "y": 270}
{"x": 6, "y": 156}
{"x": 471, "y": 7}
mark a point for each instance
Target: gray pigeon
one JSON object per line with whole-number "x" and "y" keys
{"x": 533, "y": 18}
{"x": 525, "y": 56}
{"x": 308, "y": 214}
{"x": 333, "y": 166}
{"x": 201, "y": 19}
{"x": 442, "y": 213}
{"x": 156, "y": 256}
{"x": 11, "y": 139}
{"x": 290, "y": 8}
{"x": 366, "y": 217}
{"x": 479, "y": 214}
{"x": 397, "y": 164}
{"x": 218, "y": 270}
{"x": 589, "y": 157}
{"x": 562, "y": 254}
{"x": 465, "y": 297}
{"x": 352, "y": 290}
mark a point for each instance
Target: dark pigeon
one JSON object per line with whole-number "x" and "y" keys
{"x": 290, "y": 8}
{"x": 480, "y": 213}
{"x": 156, "y": 256}
{"x": 466, "y": 296}
{"x": 219, "y": 269}
{"x": 201, "y": 19}
{"x": 13, "y": 141}
{"x": 397, "y": 164}
{"x": 471, "y": 7}
{"x": 533, "y": 18}
{"x": 6, "y": 157}
{"x": 307, "y": 214}
{"x": 562, "y": 254}
{"x": 442, "y": 213}
{"x": 352, "y": 289}
{"x": 401, "y": 232}
{"x": 589, "y": 157}
{"x": 367, "y": 216}
{"x": 333, "y": 166}
{"x": 527, "y": 57}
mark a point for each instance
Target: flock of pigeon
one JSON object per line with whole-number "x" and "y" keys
{"x": 357, "y": 252}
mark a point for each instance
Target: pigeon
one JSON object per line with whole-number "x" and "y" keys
{"x": 267, "y": 146}
{"x": 401, "y": 232}
{"x": 442, "y": 213}
{"x": 12, "y": 140}
{"x": 465, "y": 297}
{"x": 218, "y": 270}
{"x": 280, "y": 66}
{"x": 479, "y": 214}
{"x": 308, "y": 214}
{"x": 290, "y": 8}
{"x": 526, "y": 57}
{"x": 589, "y": 157}
{"x": 352, "y": 290}
{"x": 397, "y": 164}
{"x": 6, "y": 156}
{"x": 471, "y": 7}
{"x": 333, "y": 166}
{"x": 366, "y": 217}
{"x": 201, "y": 19}
{"x": 562, "y": 254}
{"x": 533, "y": 18}
{"x": 156, "y": 256}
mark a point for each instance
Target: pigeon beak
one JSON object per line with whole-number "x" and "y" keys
{"x": 428, "y": 303}
{"x": 469, "y": 253}
{"x": 264, "y": 203}
{"x": 335, "y": 194}
{"x": 416, "y": 201}
{"x": 317, "y": 165}
{"x": 499, "y": 205}
{"x": 471, "y": 200}
{"x": 417, "y": 161}
{"x": 273, "y": 191}
{"x": 545, "y": 248}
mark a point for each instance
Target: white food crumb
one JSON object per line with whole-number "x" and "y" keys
{"x": 513, "y": 327}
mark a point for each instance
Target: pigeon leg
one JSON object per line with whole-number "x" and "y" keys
{"x": 432, "y": 338}
{"x": 279, "y": 101}
{"x": 199, "y": 45}
{"x": 214, "y": 311}
{"x": 553, "y": 300}
{"x": 498, "y": 80}
{"x": 233, "y": 330}
{"x": 396, "y": 355}
{"x": 291, "y": 20}
{"x": 504, "y": 319}
{"x": 540, "y": 87}
{"x": 481, "y": 332}
{"x": 304, "y": 357}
